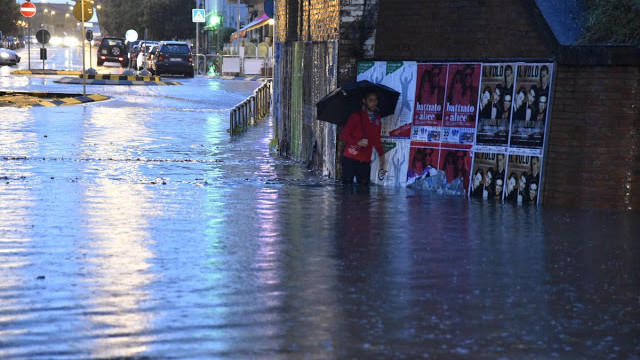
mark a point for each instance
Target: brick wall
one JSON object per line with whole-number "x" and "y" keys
{"x": 593, "y": 155}
{"x": 456, "y": 30}
{"x": 322, "y": 20}
{"x": 358, "y": 20}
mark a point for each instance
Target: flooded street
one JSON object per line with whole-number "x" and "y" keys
{"x": 136, "y": 228}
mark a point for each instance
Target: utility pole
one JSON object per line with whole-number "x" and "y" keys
{"x": 238, "y": 31}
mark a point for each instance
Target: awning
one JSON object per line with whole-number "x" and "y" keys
{"x": 256, "y": 23}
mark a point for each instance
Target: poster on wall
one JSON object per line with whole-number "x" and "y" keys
{"x": 523, "y": 181}
{"x": 455, "y": 163}
{"x": 530, "y": 110}
{"x": 400, "y": 76}
{"x": 396, "y": 162}
{"x": 429, "y": 102}
{"x": 488, "y": 176}
{"x": 494, "y": 105}
{"x": 373, "y": 71}
{"x": 423, "y": 164}
{"x": 461, "y": 99}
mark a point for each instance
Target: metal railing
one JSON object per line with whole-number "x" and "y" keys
{"x": 251, "y": 110}
{"x": 206, "y": 62}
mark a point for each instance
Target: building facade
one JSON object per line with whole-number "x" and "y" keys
{"x": 591, "y": 152}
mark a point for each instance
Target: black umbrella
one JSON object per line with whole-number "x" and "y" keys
{"x": 340, "y": 103}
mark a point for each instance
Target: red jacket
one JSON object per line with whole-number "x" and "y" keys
{"x": 359, "y": 126}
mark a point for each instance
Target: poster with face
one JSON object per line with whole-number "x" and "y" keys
{"x": 494, "y": 105}
{"x": 423, "y": 162}
{"x": 429, "y": 102}
{"x": 400, "y": 76}
{"x": 456, "y": 165}
{"x": 488, "y": 176}
{"x": 529, "y": 117}
{"x": 523, "y": 180}
{"x": 459, "y": 118}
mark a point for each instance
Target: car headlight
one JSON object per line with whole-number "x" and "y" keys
{"x": 4, "y": 55}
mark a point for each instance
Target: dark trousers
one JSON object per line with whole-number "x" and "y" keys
{"x": 353, "y": 168}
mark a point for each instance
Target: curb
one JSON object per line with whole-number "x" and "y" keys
{"x": 121, "y": 77}
{"x": 117, "y": 80}
{"x": 65, "y": 99}
{"x": 245, "y": 78}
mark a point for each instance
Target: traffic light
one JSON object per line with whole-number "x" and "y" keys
{"x": 214, "y": 20}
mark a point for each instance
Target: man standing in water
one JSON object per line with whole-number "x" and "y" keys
{"x": 361, "y": 134}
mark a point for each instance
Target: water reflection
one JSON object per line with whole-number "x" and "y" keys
{"x": 16, "y": 219}
{"x": 161, "y": 237}
{"x": 118, "y": 214}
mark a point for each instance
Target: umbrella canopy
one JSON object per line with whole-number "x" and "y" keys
{"x": 340, "y": 103}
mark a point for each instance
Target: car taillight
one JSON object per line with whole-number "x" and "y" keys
{"x": 190, "y": 59}
{"x": 160, "y": 58}
{"x": 121, "y": 58}
{"x": 103, "y": 57}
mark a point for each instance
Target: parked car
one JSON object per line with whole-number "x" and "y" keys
{"x": 133, "y": 56}
{"x": 8, "y": 57}
{"x": 172, "y": 57}
{"x": 130, "y": 46}
{"x": 10, "y": 43}
{"x": 142, "y": 61}
{"x": 113, "y": 50}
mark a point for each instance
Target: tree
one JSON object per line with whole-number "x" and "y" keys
{"x": 118, "y": 16}
{"x": 169, "y": 19}
{"x": 163, "y": 19}
{"x": 9, "y": 16}
{"x": 612, "y": 22}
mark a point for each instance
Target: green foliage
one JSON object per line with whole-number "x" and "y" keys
{"x": 612, "y": 22}
{"x": 225, "y": 34}
{"x": 9, "y": 15}
{"x": 118, "y": 16}
{"x": 163, "y": 19}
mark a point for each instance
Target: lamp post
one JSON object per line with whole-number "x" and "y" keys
{"x": 45, "y": 12}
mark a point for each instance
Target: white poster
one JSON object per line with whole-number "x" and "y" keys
{"x": 400, "y": 76}
{"x": 373, "y": 71}
{"x": 397, "y": 163}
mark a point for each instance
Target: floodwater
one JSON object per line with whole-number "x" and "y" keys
{"x": 136, "y": 228}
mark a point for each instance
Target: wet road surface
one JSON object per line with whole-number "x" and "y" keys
{"x": 136, "y": 228}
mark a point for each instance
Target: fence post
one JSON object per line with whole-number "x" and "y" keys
{"x": 252, "y": 109}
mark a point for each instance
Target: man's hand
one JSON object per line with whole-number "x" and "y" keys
{"x": 363, "y": 142}
{"x": 382, "y": 162}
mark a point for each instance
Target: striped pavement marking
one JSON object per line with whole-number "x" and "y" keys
{"x": 121, "y": 77}
{"x": 118, "y": 80}
{"x": 245, "y": 78}
{"x": 46, "y": 72}
{"x": 62, "y": 99}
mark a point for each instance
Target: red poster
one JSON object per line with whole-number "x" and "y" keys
{"x": 459, "y": 119}
{"x": 423, "y": 162}
{"x": 431, "y": 82}
{"x": 462, "y": 95}
{"x": 430, "y": 90}
{"x": 456, "y": 164}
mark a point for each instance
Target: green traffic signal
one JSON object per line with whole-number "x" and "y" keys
{"x": 214, "y": 20}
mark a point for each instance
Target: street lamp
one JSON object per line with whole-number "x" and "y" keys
{"x": 45, "y": 12}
